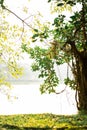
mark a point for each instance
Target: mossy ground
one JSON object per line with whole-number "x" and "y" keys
{"x": 43, "y": 121}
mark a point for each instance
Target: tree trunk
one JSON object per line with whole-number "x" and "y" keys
{"x": 81, "y": 80}
{"x": 80, "y": 75}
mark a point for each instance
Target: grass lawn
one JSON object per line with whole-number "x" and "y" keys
{"x": 43, "y": 122}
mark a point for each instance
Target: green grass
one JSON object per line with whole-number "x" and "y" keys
{"x": 43, "y": 121}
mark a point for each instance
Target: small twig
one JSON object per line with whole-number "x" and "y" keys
{"x": 61, "y": 91}
{"x": 28, "y": 17}
{"x": 18, "y": 17}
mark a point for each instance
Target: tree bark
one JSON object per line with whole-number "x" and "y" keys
{"x": 80, "y": 75}
{"x": 81, "y": 80}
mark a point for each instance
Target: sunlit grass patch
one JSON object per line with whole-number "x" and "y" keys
{"x": 43, "y": 121}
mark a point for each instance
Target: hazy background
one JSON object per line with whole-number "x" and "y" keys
{"x": 26, "y": 98}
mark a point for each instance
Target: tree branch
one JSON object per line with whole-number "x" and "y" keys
{"x": 61, "y": 91}
{"x": 23, "y": 21}
{"x": 84, "y": 21}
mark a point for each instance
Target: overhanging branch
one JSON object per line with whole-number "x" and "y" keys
{"x": 23, "y": 21}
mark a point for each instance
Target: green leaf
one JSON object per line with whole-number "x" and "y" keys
{"x": 71, "y": 3}
{"x": 49, "y": 1}
{"x": 60, "y": 4}
{"x": 35, "y": 35}
{"x": 36, "y": 30}
{"x": 34, "y": 40}
{"x": 1, "y": 2}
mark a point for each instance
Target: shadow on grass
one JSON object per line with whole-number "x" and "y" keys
{"x": 12, "y": 127}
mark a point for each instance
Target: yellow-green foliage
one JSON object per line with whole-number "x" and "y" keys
{"x": 60, "y": 9}
{"x": 46, "y": 121}
{"x": 10, "y": 49}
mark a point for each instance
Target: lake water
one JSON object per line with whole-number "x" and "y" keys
{"x": 29, "y": 100}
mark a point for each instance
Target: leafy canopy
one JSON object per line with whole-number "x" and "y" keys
{"x": 63, "y": 37}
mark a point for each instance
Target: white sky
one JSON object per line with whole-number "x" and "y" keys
{"x": 33, "y": 6}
